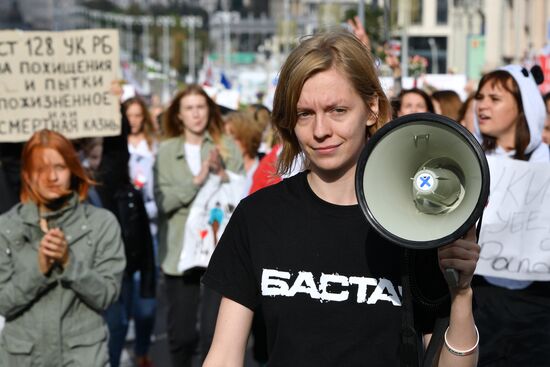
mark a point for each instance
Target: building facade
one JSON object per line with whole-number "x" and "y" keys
{"x": 471, "y": 36}
{"x": 49, "y": 14}
{"x": 458, "y": 36}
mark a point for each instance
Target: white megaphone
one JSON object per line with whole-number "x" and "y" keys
{"x": 422, "y": 181}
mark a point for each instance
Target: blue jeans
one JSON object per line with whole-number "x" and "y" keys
{"x": 130, "y": 305}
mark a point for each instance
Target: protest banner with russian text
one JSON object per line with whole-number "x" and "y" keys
{"x": 59, "y": 81}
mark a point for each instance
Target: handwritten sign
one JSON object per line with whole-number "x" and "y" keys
{"x": 59, "y": 81}
{"x": 515, "y": 232}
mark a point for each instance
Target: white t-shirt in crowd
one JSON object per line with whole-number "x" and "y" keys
{"x": 193, "y": 157}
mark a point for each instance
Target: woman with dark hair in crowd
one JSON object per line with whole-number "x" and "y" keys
{"x": 512, "y": 315}
{"x": 61, "y": 265}
{"x": 414, "y": 101}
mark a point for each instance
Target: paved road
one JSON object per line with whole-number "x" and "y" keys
{"x": 159, "y": 348}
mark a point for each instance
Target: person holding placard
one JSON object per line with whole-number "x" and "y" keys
{"x": 513, "y": 315}
{"x": 61, "y": 265}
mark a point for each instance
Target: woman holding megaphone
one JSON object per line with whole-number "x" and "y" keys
{"x": 512, "y": 315}
{"x": 329, "y": 287}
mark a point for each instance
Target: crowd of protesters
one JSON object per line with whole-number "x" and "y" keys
{"x": 90, "y": 226}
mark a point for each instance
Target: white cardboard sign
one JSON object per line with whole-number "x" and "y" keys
{"x": 59, "y": 81}
{"x": 515, "y": 231}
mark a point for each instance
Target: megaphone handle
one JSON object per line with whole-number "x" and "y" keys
{"x": 451, "y": 276}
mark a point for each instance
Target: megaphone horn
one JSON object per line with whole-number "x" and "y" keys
{"x": 422, "y": 181}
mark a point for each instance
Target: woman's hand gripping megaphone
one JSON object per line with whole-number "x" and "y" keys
{"x": 460, "y": 256}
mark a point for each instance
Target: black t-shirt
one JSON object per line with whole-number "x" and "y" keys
{"x": 329, "y": 287}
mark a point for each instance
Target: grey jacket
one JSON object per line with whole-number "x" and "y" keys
{"x": 56, "y": 320}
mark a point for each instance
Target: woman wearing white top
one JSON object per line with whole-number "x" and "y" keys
{"x": 142, "y": 148}
{"x": 195, "y": 150}
{"x": 512, "y": 314}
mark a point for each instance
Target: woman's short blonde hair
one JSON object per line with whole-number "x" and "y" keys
{"x": 337, "y": 49}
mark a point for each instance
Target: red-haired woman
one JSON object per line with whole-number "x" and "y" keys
{"x": 61, "y": 263}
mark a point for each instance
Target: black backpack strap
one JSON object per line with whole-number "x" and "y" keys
{"x": 436, "y": 342}
{"x": 412, "y": 353}
{"x": 409, "y": 349}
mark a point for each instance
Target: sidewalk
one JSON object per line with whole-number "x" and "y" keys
{"x": 159, "y": 348}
